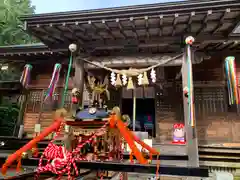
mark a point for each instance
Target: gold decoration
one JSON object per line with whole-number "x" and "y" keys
{"x": 117, "y": 111}
{"x": 61, "y": 113}
{"x": 130, "y": 83}
{"x": 24, "y": 155}
{"x": 145, "y": 79}
{"x": 118, "y": 81}
{"x": 96, "y": 89}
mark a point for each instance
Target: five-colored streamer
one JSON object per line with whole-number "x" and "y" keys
{"x": 54, "y": 81}
{"x": 25, "y": 78}
{"x": 190, "y": 88}
{"x": 231, "y": 80}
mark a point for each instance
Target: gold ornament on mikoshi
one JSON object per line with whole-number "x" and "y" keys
{"x": 24, "y": 155}
{"x": 145, "y": 79}
{"x": 130, "y": 83}
{"x": 118, "y": 81}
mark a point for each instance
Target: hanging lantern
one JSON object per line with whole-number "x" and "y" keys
{"x": 118, "y": 81}
{"x": 130, "y": 83}
{"x": 124, "y": 79}
{"x": 145, "y": 79}
{"x": 153, "y": 75}
{"x": 113, "y": 78}
{"x": 140, "y": 78}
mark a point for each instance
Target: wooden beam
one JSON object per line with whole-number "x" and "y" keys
{"x": 108, "y": 29}
{"x": 204, "y": 23}
{"x": 224, "y": 45}
{"x": 160, "y": 25}
{"x": 121, "y": 28}
{"x": 189, "y": 24}
{"x": 77, "y": 38}
{"x": 235, "y": 44}
{"x": 191, "y": 134}
{"x": 175, "y": 20}
{"x": 234, "y": 25}
{"x": 49, "y": 39}
{"x": 84, "y": 31}
{"x": 53, "y": 33}
{"x": 133, "y": 27}
{"x": 79, "y": 78}
{"x": 147, "y": 27}
{"x": 160, "y": 41}
{"x": 221, "y": 21}
{"x": 95, "y": 29}
{"x": 216, "y": 46}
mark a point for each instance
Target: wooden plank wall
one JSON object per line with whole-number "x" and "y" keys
{"x": 216, "y": 121}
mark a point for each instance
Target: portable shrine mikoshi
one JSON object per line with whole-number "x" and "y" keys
{"x": 60, "y": 160}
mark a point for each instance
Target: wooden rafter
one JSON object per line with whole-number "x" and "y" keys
{"x": 147, "y": 27}
{"x": 75, "y": 36}
{"x": 66, "y": 37}
{"x": 175, "y": 21}
{"x": 53, "y": 33}
{"x": 49, "y": 40}
{"x": 234, "y": 45}
{"x": 84, "y": 31}
{"x": 160, "y": 25}
{"x": 221, "y": 21}
{"x": 190, "y": 20}
{"x": 133, "y": 27}
{"x": 204, "y": 23}
{"x": 121, "y": 28}
{"x": 95, "y": 29}
{"x": 108, "y": 29}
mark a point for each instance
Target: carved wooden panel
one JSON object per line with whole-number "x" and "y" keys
{"x": 209, "y": 100}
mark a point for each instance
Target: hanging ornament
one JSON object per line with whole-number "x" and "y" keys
{"x": 145, "y": 79}
{"x": 186, "y": 91}
{"x": 153, "y": 75}
{"x": 189, "y": 40}
{"x": 140, "y": 78}
{"x": 124, "y": 79}
{"x": 130, "y": 83}
{"x": 118, "y": 81}
{"x": 113, "y": 78}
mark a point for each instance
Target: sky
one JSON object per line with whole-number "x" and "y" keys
{"x": 48, "y": 6}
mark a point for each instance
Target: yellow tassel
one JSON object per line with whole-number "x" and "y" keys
{"x": 118, "y": 81}
{"x": 145, "y": 79}
{"x": 130, "y": 83}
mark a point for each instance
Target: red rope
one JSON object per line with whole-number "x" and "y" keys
{"x": 60, "y": 160}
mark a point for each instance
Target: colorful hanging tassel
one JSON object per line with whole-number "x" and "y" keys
{"x": 54, "y": 80}
{"x": 191, "y": 119}
{"x": 231, "y": 80}
{"x": 25, "y": 78}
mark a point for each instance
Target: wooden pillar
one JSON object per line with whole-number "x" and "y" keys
{"x": 22, "y": 104}
{"x": 191, "y": 134}
{"x": 79, "y": 78}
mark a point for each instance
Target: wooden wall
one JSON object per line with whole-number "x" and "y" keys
{"x": 216, "y": 121}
